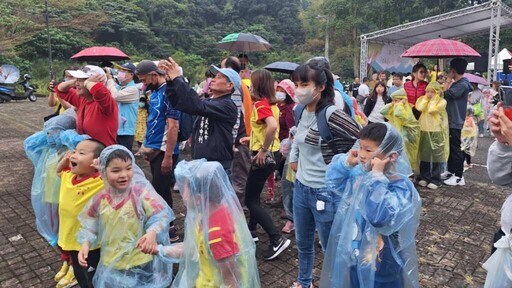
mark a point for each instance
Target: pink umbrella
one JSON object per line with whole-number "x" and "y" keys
{"x": 440, "y": 48}
{"x": 476, "y": 79}
{"x": 99, "y": 54}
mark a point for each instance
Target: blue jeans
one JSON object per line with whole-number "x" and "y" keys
{"x": 287, "y": 191}
{"x": 307, "y": 219}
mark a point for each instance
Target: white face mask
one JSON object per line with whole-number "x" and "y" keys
{"x": 305, "y": 95}
{"x": 281, "y": 96}
{"x": 121, "y": 76}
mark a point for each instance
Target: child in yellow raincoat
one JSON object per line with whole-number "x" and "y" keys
{"x": 399, "y": 114}
{"x": 469, "y": 136}
{"x": 434, "y": 136}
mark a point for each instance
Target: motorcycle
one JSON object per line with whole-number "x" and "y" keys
{"x": 8, "y": 93}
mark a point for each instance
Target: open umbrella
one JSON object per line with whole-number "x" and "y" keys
{"x": 282, "y": 67}
{"x": 244, "y": 42}
{"x": 476, "y": 79}
{"x": 440, "y": 48}
{"x": 100, "y": 54}
{"x": 9, "y": 74}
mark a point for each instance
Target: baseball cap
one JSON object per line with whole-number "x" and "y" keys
{"x": 146, "y": 67}
{"x": 231, "y": 74}
{"x": 126, "y": 67}
{"x": 86, "y": 72}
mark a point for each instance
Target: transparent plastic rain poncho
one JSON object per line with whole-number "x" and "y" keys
{"x": 469, "y": 133}
{"x": 115, "y": 220}
{"x": 401, "y": 117}
{"x": 372, "y": 240}
{"x": 218, "y": 250}
{"x": 434, "y": 137}
{"x": 499, "y": 265}
{"x": 45, "y": 149}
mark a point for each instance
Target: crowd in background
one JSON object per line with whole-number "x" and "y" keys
{"x": 347, "y": 159}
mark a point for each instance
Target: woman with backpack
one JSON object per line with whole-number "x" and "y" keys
{"x": 314, "y": 205}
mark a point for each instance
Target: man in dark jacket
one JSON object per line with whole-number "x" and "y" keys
{"x": 456, "y": 93}
{"x": 212, "y": 135}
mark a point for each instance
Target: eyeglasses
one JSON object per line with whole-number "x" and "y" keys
{"x": 422, "y": 72}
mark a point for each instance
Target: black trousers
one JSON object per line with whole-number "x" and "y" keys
{"x": 467, "y": 157}
{"x": 456, "y": 158}
{"x": 497, "y": 236}
{"x": 83, "y": 275}
{"x": 255, "y": 182}
{"x": 126, "y": 141}
{"x": 431, "y": 172}
{"x": 163, "y": 183}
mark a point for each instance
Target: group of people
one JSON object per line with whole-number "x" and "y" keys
{"x": 346, "y": 172}
{"x": 439, "y": 119}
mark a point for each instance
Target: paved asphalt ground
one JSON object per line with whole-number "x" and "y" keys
{"x": 453, "y": 240}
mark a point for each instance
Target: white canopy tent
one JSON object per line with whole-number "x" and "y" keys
{"x": 472, "y": 21}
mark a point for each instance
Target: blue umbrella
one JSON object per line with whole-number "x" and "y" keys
{"x": 282, "y": 67}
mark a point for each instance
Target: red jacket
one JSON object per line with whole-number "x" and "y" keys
{"x": 413, "y": 93}
{"x": 97, "y": 118}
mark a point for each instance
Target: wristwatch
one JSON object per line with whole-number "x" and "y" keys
{"x": 263, "y": 149}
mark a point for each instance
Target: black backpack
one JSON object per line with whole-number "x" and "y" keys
{"x": 186, "y": 126}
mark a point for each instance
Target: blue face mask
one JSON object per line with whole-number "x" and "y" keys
{"x": 142, "y": 104}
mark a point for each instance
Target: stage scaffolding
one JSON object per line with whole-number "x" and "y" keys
{"x": 486, "y": 18}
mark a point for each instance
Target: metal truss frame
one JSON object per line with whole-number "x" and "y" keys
{"x": 497, "y": 10}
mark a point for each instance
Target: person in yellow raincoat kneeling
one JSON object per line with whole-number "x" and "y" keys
{"x": 434, "y": 136}
{"x": 399, "y": 114}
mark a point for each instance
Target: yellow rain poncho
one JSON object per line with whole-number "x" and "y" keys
{"x": 399, "y": 114}
{"x": 469, "y": 134}
{"x": 434, "y": 140}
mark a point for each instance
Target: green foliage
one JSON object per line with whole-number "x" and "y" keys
{"x": 64, "y": 44}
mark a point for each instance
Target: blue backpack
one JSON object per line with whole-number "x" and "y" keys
{"x": 322, "y": 123}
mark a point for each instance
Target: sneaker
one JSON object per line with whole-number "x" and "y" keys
{"x": 255, "y": 237}
{"x": 446, "y": 175}
{"x": 68, "y": 280}
{"x": 481, "y": 136}
{"x": 432, "y": 186}
{"x": 422, "y": 183}
{"x": 297, "y": 285}
{"x": 454, "y": 181}
{"x": 62, "y": 272}
{"x": 277, "y": 248}
{"x": 173, "y": 234}
{"x": 288, "y": 227}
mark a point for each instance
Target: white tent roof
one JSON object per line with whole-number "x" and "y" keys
{"x": 470, "y": 21}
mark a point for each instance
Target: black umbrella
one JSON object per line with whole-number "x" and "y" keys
{"x": 282, "y": 67}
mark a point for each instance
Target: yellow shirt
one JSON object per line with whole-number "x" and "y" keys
{"x": 433, "y": 76}
{"x": 122, "y": 228}
{"x": 72, "y": 199}
{"x": 261, "y": 110}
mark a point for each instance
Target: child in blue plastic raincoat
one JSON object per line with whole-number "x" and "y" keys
{"x": 128, "y": 219}
{"x": 218, "y": 250}
{"x": 372, "y": 240}
{"x": 45, "y": 149}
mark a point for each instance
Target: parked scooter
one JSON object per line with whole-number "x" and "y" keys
{"x": 8, "y": 93}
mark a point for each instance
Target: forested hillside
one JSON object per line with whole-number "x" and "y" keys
{"x": 189, "y": 29}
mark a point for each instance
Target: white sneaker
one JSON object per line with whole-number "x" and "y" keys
{"x": 446, "y": 175}
{"x": 433, "y": 186}
{"x": 455, "y": 181}
{"x": 422, "y": 183}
